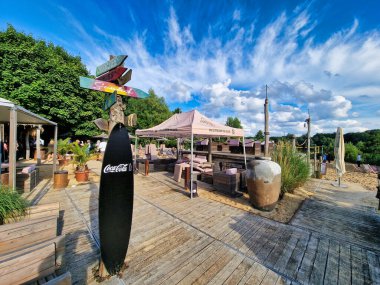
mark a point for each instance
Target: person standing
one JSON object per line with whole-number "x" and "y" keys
{"x": 358, "y": 159}
{"x": 102, "y": 148}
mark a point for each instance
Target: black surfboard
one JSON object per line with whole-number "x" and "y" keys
{"x": 116, "y": 200}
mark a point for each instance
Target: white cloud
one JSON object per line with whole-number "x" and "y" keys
{"x": 179, "y": 92}
{"x": 302, "y": 74}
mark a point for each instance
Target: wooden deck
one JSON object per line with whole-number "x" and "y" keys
{"x": 176, "y": 240}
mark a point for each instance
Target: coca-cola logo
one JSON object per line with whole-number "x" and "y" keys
{"x": 117, "y": 168}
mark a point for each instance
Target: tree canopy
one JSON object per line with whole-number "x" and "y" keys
{"x": 259, "y": 136}
{"x": 44, "y": 79}
{"x": 234, "y": 123}
{"x": 150, "y": 111}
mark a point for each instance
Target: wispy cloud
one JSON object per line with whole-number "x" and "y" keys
{"x": 229, "y": 74}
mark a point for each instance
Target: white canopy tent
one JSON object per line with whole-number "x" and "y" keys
{"x": 14, "y": 115}
{"x": 190, "y": 124}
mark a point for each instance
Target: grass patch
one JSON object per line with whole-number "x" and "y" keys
{"x": 294, "y": 169}
{"x": 12, "y": 205}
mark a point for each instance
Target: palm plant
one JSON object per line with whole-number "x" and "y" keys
{"x": 12, "y": 205}
{"x": 81, "y": 155}
{"x": 63, "y": 147}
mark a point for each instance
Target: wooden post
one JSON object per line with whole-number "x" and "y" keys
{"x": 187, "y": 178}
{"x": 294, "y": 143}
{"x": 27, "y": 145}
{"x": 55, "y": 149}
{"x": 146, "y": 167}
{"x": 209, "y": 150}
{"x": 1, "y": 142}
{"x": 266, "y": 126}
{"x": 12, "y": 147}
{"x": 308, "y": 121}
{"x": 38, "y": 145}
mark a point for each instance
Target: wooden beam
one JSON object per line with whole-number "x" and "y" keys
{"x": 12, "y": 147}
{"x": 38, "y": 140}
{"x": 55, "y": 149}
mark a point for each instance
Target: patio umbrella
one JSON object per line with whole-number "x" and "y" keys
{"x": 339, "y": 155}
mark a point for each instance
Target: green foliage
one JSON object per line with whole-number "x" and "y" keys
{"x": 44, "y": 79}
{"x": 150, "y": 111}
{"x": 63, "y": 146}
{"x": 81, "y": 155}
{"x": 177, "y": 111}
{"x": 259, "y": 136}
{"x": 12, "y": 205}
{"x": 367, "y": 143}
{"x": 294, "y": 169}
{"x": 351, "y": 152}
{"x": 234, "y": 123}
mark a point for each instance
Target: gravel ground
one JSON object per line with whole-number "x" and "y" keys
{"x": 367, "y": 180}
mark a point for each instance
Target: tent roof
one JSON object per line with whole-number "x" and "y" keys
{"x": 24, "y": 116}
{"x": 184, "y": 124}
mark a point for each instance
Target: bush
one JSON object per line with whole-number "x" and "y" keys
{"x": 294, "y": 169}
{"x": 12, "y": 205}
{"x": 351, "y": 152}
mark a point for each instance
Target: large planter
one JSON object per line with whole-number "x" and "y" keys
{"x": 61, "y": 179}
{"x": 81, "y": 176}
{"x": 264, "y": 184}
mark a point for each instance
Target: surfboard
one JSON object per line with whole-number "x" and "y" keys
{"x": 116, "y": 199}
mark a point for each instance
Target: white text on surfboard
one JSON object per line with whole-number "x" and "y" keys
{"x": 118, "y": 168}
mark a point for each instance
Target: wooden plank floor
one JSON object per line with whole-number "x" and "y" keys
{"x": 356, "y": 226}
{"x": 176, "y": 240}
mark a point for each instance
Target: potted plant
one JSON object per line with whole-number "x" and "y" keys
{"x": 80, "y": 158}
{"x": 63, "y": 148}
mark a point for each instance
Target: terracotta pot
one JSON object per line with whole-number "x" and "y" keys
{"x": 81, "y": 176}
{"x": 264, "y": 184}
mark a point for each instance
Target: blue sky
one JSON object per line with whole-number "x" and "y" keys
{"x": 217, "y": 56}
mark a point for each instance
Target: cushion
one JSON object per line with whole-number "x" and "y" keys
{"x": 199, "y": 160}
{"x": 231, "y": 171}
{"x": 27, "y": 169}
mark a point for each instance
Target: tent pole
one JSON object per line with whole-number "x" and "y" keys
{"x": 245, "y": 155}
{"x": 191, "y": 166}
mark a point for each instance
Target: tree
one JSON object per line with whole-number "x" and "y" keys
{"x": 351, "y": 152}
{"x": 177, "y": 111}
{"x": 259, "y": 136}
{"x": 150, "y": 111}
{"x": 44, "y": 79}
{"x": 234, "y": 123}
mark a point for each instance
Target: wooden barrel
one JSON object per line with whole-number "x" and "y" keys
{"x": 61, "y": 179}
